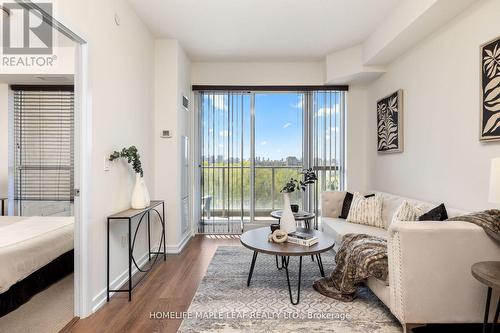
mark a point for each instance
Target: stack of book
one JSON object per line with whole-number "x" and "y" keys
{"x": 302, "y": 238}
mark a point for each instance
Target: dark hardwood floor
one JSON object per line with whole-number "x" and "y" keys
{"x": 169, "y": 287}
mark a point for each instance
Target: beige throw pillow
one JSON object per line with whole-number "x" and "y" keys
{"x": 409, "y": 212}
{"x": 367, "y": 211}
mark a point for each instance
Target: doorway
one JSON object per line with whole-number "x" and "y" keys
{"x": 82, "y": 155}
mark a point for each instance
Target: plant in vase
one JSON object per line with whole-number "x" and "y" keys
{"x": 140, "y": 193}
{"x": 287, "y": 219}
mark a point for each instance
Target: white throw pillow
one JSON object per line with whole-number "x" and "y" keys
{"x": 367, "y": 211}
{"x": 409, "y": 212}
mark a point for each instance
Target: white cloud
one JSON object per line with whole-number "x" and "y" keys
{"x": 219, "y": 102}
{"x": 299, "y": 103}
{"x": 225, "y": 133}
{"x": 210, "y": 130}
{"x": 328, "y": 110}
{"x": 263, "y": 143}
{"x": 324, "y": 112}
{"x": 287, "y": 125}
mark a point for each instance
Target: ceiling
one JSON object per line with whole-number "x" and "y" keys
{"x": 257, "y": 30}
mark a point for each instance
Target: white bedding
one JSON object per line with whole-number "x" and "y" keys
{"x": 29, "y": 243}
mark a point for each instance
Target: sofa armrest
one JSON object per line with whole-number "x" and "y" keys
{"x": 331, "y": 203}
{"x": 430, "y": 271}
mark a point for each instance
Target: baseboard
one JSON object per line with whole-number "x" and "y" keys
{"x": 176, "y": 249}
{"x": 100, "y": 299}
{"x": 68, "y": 326}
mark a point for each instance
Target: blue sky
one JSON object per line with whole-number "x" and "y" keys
{"x": 278, "y": 125}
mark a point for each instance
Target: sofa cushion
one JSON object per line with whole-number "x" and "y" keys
{"x": 409, "y": 212}
{"x": 338, "y": 228}
{"x": 331, "y": 203}
{"x": 346, "y": 205}
{"x": 390, "y": 205}
{"x": 367, "y": 211}
{"x": 436, "y": 214}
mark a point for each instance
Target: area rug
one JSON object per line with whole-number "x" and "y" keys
{"x": 224, "y": 303}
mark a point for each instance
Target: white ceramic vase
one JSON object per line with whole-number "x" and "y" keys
{"x": 146, "y": 192}
{"x": 138, "y": 193}
{"x": 287, "y": 221}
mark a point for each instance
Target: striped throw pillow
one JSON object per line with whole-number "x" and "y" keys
{"x": 409, "y": 212}
{"x": 367, "y": 211}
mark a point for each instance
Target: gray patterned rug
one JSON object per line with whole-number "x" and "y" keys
{"x": 223, "y": 303}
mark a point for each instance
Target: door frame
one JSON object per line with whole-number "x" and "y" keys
{"x": 82, "y": 149}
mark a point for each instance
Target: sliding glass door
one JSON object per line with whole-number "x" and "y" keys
{"x": 251, "y": 143}
{"x": 224, "y": 161}
{"x": 279, "y": 132}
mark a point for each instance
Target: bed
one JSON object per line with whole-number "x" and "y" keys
{"x": 35, "y": 252}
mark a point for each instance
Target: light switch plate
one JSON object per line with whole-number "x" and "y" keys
{"x": 166, "y": 133}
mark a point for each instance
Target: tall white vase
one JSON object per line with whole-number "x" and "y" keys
{"x": 138, "y": 195}
{"x": 146, "y": 192}
{"x": 287, "y": 221}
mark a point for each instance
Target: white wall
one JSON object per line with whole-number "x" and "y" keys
{"x": 172, "y": 80}
{"x": 122, "y": 93}
{"x": 443, "y": 159}
{"x": 4, "y": 140}
{"x": 357, "y": 141}
{"x": 258, "y": 73}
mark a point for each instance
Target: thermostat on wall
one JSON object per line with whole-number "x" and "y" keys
{"x": 166, "y": 133}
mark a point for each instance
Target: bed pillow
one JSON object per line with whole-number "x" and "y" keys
{"x": 436, "y": 214}
{"x": 409, "y": 212}
{"x": 367, "y": 211}
{"x": 346, "y": 206}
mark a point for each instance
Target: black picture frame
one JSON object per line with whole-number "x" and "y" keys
{"x": 390, "y": 123}
{"x": 490, "y": 91}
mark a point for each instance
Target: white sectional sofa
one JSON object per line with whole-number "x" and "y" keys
{"x": 430, "y": 263}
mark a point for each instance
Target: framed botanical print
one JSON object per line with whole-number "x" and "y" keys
{"x": 390, "y": 123}
{"x": 490, "y": 91}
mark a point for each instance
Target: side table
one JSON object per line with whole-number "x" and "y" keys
{"x": 299, "y": 216}
{"x": 488, "y": 273}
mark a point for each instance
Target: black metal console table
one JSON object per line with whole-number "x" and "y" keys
{"x": 129, "y": 215}
{"x": 3, "y": 206}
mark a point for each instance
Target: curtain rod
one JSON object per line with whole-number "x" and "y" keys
{"x": 270, "y": 88}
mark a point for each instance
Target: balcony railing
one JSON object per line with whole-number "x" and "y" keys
{"x": 226, "y": 189}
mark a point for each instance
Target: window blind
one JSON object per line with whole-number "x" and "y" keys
{"x": 43, "y": 143}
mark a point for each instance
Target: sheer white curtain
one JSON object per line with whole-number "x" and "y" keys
{"x": 327, "y": 152}
{"x": 225, "y": 161}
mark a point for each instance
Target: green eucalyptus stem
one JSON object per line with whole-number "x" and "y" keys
{"x": 132, "y": 156}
